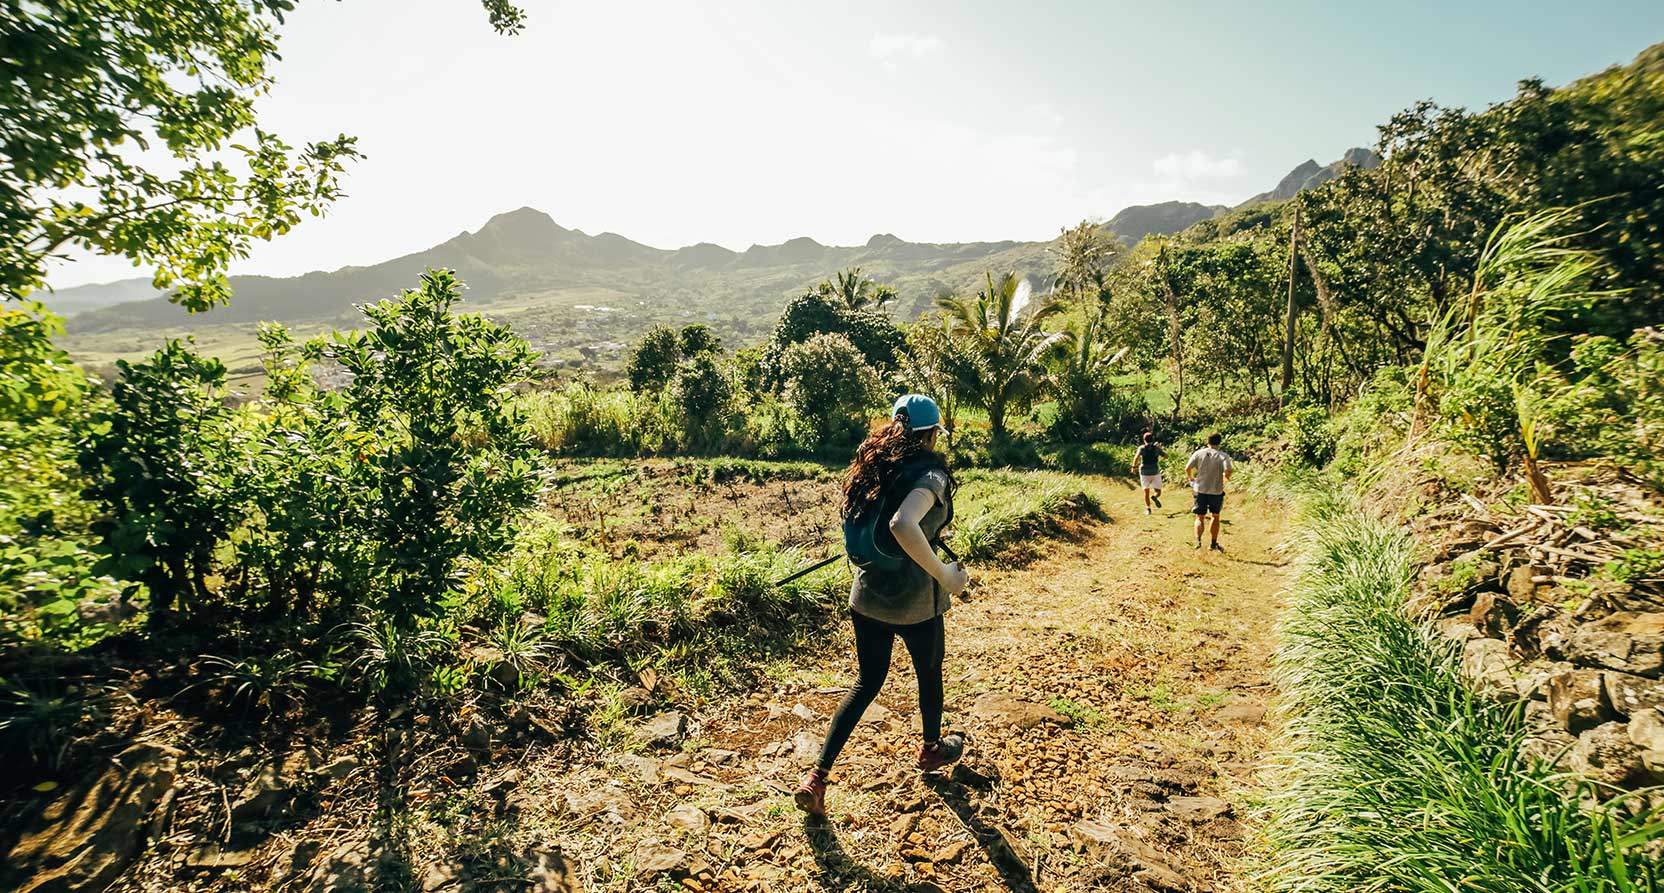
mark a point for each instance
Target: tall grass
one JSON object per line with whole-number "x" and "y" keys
{"x": 997, "y": 511}
{"x": 1398, "y": 777}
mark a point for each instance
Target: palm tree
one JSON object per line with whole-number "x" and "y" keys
{"x": 1002, "y": 365}
{"x": 1082, "y": 369}
{"x": 856, "y": 292}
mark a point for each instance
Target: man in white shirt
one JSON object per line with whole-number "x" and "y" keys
{"x": 1207, "y": 471}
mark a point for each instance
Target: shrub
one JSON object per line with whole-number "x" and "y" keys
{"x": 879, "y": 340}
{"x": 829, "y": 387}
{"x": 447, "y": 461}
{"x": 163, "y": 458}
{"x": 703, "y": 399}
{"x": 1309, "y": 434}
{"x": 696, "y": 339}
{"x": 45, "y": 402}
{"x": 654, "y": 359}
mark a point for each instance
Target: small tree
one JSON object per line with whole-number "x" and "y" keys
{"x": 703, "y": 396}
{"x": 878, "y": 339}
{"x": 829, "y": 388}
{"x": 162, "y": 459}
{"x": 447, "y": 462}
{"x": 697, "y": 339}
{"x": 654, "y": 360}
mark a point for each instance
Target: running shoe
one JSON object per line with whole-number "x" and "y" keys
{"x": 1156, "y": 498}
{"x": 1196, "y": 545}
{"x": 1215, "y": 547}
{"x": 1146, "y": 510}
{"x": 945, "y": 752}
{"x": 811, "y": 794}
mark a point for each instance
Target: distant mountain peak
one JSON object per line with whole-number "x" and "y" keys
{"x": 1309, "y": 174}
{"x": 883, "y": 240}
{"x": 1132, "y": 224}
{"x": 522, "y": 217}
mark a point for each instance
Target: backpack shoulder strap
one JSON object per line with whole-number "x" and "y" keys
{"x": 909, "y": 474}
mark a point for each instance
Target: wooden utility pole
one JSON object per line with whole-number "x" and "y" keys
{"x": 1288, "y": 329}
{"x": 1173, "y": 329}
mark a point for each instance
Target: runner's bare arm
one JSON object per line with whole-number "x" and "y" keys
{"x": 910, "y": 536}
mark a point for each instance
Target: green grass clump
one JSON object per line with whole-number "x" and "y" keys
{"x": 1398, "y": 776}
{"x": 1000, "y": 510}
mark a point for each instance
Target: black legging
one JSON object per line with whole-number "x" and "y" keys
{"x": 874, "y": 640}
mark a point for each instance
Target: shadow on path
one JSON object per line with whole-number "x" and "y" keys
{"x": 840, "y": 872}
{"x": 1001, "y": 849}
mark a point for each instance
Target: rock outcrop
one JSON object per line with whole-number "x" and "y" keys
{"x": 85, "y": 839}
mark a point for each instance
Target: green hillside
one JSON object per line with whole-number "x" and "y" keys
{"x": 581, "y": 298}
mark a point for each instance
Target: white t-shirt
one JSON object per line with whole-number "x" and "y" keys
{"x": 1211, "y": 465}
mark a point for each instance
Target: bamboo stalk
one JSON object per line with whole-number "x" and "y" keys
{"x": 1506, "y": 537}
{"x": 1570, "y": 554}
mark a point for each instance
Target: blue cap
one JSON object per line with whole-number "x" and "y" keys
{"x": 921, "y": 412}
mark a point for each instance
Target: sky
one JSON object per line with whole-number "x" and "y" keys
{"x": 755, "y": 122}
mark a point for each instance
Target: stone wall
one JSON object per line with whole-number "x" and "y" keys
{"x": 1584, "y": 651}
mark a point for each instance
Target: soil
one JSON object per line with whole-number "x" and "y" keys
{"x": 1112, "y": 689}
{"x": 1155, "y": 656}
{"x": 655, "y": 509}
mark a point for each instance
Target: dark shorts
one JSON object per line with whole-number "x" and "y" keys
{"x": 1208, "y": 504}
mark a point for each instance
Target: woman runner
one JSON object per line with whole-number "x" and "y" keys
{"x": 898, "y": 463}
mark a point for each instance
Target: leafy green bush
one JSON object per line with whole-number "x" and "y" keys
{"x": 1309, "y": 434}
{"x": 448, "y": 463}
{"x": 1477, "y": 412}
{"x": 829, "y": 388}
{"x": 163, "y": 460}
{"x": 377, "y": 495}
{"x": 1378, "y": 416}
{"x": 703, "y": 398}
{"x": 880, "y": 342}
{"x": 653, "y": 360}
{"x": 696, "y": 339}
{"x": 45, "y": 402}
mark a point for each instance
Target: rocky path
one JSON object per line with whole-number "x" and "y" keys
{"x": 1113, "y": 694}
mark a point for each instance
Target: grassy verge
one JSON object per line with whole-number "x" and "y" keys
{"x": 701, "y": 616}
{"x": 1397, "y": 776}
{"x": 998, "y": 512}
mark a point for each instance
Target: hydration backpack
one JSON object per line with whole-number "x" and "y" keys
{"x": 867, "y": 538}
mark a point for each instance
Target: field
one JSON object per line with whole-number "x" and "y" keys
{"x": 1108, "y": 678}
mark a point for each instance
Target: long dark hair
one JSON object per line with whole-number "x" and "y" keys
{"x": 880, "y": 456}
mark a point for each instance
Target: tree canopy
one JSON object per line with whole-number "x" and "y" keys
{"x": 94, "y": 92}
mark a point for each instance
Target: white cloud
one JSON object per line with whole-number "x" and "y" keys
{"x": 1198, "y": 164}
{"x": 912, "y": 46}
{"x": 1046, "y": 112}
{"x": 1028, "y": 160}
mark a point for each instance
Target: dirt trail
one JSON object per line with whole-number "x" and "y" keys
{"x": 1113, "y": 693}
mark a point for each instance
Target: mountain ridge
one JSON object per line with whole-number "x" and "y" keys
{"x": 525, "y": 252}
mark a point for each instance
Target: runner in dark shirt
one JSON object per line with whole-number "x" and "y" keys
{"x": 1147, "y": 466}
